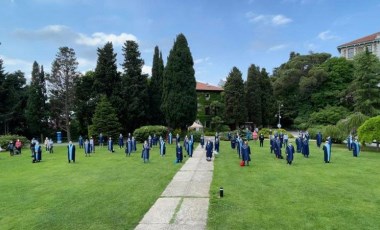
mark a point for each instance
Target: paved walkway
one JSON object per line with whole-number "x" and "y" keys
{"x": 184, "y": 203}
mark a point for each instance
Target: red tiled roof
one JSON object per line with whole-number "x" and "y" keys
{"x": 365, "y": 39}
{"x": 207, "y": 87}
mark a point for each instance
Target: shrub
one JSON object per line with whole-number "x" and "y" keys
{"x": 369, "y": 131}
{"x": 337, "y": 135}
{"x": 313, "y": 131}
{"x": 196, "y": 135}
{"x": 329, "y": 115}
{"x": 5, "y": 139}
{"x": 141, "y": 134}
{"x": 267, "y": 131}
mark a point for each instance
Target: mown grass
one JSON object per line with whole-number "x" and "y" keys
{"x": 269, "y": 194}
{"x": 104, "y": 191}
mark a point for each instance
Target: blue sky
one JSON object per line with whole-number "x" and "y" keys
{"x": 221, "y": 34}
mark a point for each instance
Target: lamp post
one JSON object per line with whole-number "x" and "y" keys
{"x": 279, "y": 115}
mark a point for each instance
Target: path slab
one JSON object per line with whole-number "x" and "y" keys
{"x": 161, "y": 212}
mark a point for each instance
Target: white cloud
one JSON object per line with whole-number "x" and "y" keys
{"x": 274, "y": 20}
{"x": 99, "y": 38}
{"x": 147, "y": 70}
{"x": 326, "y": 35}
{"x": 277, "y": 47}
{"x": 85, "y": 64}
{"x": 202, "y": 60}
{"x": 14, "y": 64}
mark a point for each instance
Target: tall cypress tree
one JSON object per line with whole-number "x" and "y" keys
{"x": 135, "y": 88}
{"x": 4, "y": 114}
{"x": 179, "y": 95}
{"x": 235, "y": 106}
{"x": 36, "y": 108}
{"x": 267, "y": 99}
{"x": 155, "y": 89}
{"x": 253, "y": 95}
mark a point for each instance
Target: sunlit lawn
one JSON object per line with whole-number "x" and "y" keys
{"x": 104, "y": 191}
{"x": 310, "y": 194}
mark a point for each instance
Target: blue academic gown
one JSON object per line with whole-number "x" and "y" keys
{"x": 289, "y": 153}
{"x": 202, "y": 141}
{"x": 327, "y": 152}
{"x": 209, "y": 148}
{"x": 71, "y": 153}
{"x": 277, "y": 148}
{"x": 190, "y": 145}
{"x": 355, "y": 148}
{"x": 246, "y": 153}
{"x": 37, "y": 153}
{"x": 298, "y": 144}
{"x": 305, "y": 148}
{"x": 128, "y": 148}
{"x": 179, "y": 153}
{"x": 80, "y": 141}
{"x": 145, "y": 153}
{"x": 87, "y": 148}
{"x": 217, "y": 145}
{"x": 121, "y": 142}
{"x": 349, "y": 142}
{"x": 170, "y": 138}
{"x": 319, "y": 140}
{"x": 162, "y": 148}
{"x": 110, "y": 146}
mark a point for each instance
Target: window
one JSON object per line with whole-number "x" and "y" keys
{"x": 350, "y": 53}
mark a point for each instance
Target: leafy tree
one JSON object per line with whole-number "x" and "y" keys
{"x": 254, "y": 95}
{"x": 369, "y": 131}
{"x": 235, "y": 106}
{"x": 367, "y": 78}
{"x": 106, "y": 77}
{"x": 351, "y": 123}
{"x": 105, "y": 119}
{"x": 179, "y": 102}
{"x": 330, "y": 115}
{"x": 135, "y": 88}
{"x": 62, "y": 91}
{"x": 4, "y": 113}
{"x": 155, "y": 89}
{"x": 267, "y": 99}
{"x": 36, "y": 107}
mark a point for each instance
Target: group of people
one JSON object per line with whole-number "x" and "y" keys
{"x": 15, "y": 147}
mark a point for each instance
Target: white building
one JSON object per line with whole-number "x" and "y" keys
{"x": 371, "y": 42}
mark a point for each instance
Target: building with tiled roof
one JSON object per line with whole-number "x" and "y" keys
{"x": 209, "y": 103}
{"x": 371, "y": 42}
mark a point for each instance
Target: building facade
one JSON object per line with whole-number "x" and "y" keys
{"x": 371, "y": 42}
{"x": 210, "y": 104}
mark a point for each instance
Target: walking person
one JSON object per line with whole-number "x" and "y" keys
{"x": 246, "y": 153}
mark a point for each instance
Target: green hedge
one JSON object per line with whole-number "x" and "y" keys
{"x": 266, "y": 132}
{"x": 5, "y": 139}
{"x": 141, "y": 134}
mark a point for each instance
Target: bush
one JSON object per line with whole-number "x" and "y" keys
{"x": 266, "y": 132}
{"x": 196, "y": 135}
{"x": 141, "y": 134}
{"x": 337, "y": 135}
{"x": 5, "y": 139}
{"x": 329, "y": 115}
{"x": 369, "y": 131}
{"x": 313, "y": 131}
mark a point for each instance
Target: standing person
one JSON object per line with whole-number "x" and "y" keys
{"x": 150, "y": 142}
{"x": 128, "y": 147}
{"x": 277, "y": 148}
{"x": 87, "y": 148}
{"x": 121, "y": 141}
{"x": 170, "y": 138}
{"x": 305, "y": 148}
{"x": 355, "y": 148}
{"x": 190, "y": 146}
{"x": 18, "y": 146}
{"x": 327, "y": 152}
{"x": 177, "y": 139}
{"x": 246, "y": 153}
{"x": 32, "y": 144}
{"x": 261, "y": 139}
{"x": 286, "y": 139}
{"x": 298, "y": 144}
{"x": 217, "y": 145}
{"x": 186, "y": 144}
{"x": 233, "y": 142}
{"x": 51, "y": 145}
{"x": 101, "y": 139}
{"x": 46, "y": 144}
{"x": 202, "y": 141}
{"x": 216, "y": 136}
{"x": 162, "y": 147}
{"x": 229, "y": 136}
{"x": 37, "y": 153}
{"x": 11, "y": 148}
{"x": 254, "y": 135}
{"x": 145, "y": 152}
{"x": 289, "y": 153}
{"x": 92, "y": 145}
{"x": 80, "y": 141}
{"x": 272, "y": 143}
{"x": 134, "y": 144}
{"x": 154, "y": 140}
{"x": 349, "y": 142}
{"x": 71, "y": 152}
{"x": 239, "y": 144}
{"x": 179, "y": 153}
{"x": 319, "y": 139}
{"x": 110, "y": 145}
{"x": 209, "y": 148}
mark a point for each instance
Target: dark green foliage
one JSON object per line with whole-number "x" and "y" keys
{"x": 235, "y": 105}
{"x": 141, "y": 134}
{"x": 351, "y": 123}
{"x": 267, "y": 132}
{"x": 5, "y": 139}
{"x": 329, "y": 115}
{"x": 313, "y": 131}
{"x": 179, "y": 102}
{"x": 155, "y": 89}
{"x": 196, "y": 134}
{"x": 62, "y": 90}
{"x": 268, "y": 105}
{"x": 36, "y": 108}
{"x": 105, "y": 120}
{"x": 337, "y": 135}
{"x": 253, "y": 97}
{"x": 135, "y": 89}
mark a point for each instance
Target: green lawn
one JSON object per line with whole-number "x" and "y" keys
{"x": 310, "y": 194}
{"x": 104, "y": 191}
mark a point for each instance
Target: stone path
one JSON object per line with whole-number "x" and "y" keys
{"x": 184, "y": 203}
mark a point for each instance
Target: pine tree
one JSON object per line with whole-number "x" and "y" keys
{"x": 235, "y": 106}
{"x": 36, "y": 108}
{"x": 105, "y": 120}
{"x": 4, "y": 114}
{"x": 267, "y": 99}
{"x": 253, "y": 95}
{"x": 62, "y": 78}
{"x": 155, "y": 89}
{"x": 179, "y": 94}
{"x": 135, "y": 88}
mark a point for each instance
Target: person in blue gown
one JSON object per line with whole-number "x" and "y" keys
{"x": 110, "y": 145}
{"x": 289, "y": 153}
{"x": 145, "y": 152}
{"x": 246, "y": 153}
{"x": 37, "y": 152}
{"x": 326, "y": 152}
{"x": 162, "y": 147}
{"x": 71, "y": 152}
{"x": 305, "y": 148}
{"x": 233, "y": 142}
{"x": 80, "y": 141}
{"x": 177, "y": 139}
{"x": 355, "y": 148}
{"x": 170, "y": 136}
{"x": 134, "y": 144}
{"x": 209, "y": 148}
{"x": 272, "y": 142}
{"x": 190, "y": 147}
{"x": 179, "y": 153}
{"x": 87, "y": 148}
{"x": 277, "y": 148}
{"x": 121, "y": 141}
{"x": 319, "y": 139}
{"x": 128, "y": 147}
{"x": 349, "y": 142}
{"x": 298, "y": 144}
{"x": 202, "y": 140}
{"x": 217, "y": 145}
